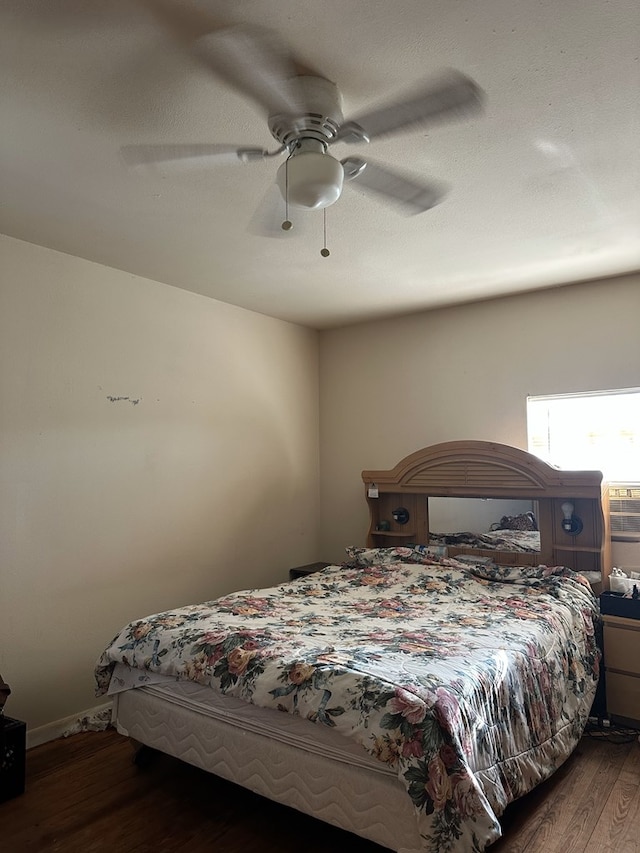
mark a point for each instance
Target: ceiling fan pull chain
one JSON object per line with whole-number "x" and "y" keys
{"x": 324, "y": 251}
{"x": 287, "y": 225}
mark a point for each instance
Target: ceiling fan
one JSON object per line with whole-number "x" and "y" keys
{"x": 304, "y": 116}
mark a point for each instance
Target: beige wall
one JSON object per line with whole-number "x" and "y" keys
{"x": 391, "y": 387}
{"x": 110, "y": 508}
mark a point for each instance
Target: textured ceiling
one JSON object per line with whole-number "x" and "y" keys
{"x": 544, "y": 186}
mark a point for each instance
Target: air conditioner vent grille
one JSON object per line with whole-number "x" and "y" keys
{"x": 628, "y": 491}
{"x": 624, "y": 505}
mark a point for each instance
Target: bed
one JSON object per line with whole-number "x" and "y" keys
{"x": 404, "y": 695}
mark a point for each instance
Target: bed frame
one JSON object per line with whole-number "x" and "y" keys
{"x": 485, "y": 469}
{"x": 368, "y": 803}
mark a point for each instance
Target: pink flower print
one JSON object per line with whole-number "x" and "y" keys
{"x": 439, "y": 785}
{"x": 411, "y": 707}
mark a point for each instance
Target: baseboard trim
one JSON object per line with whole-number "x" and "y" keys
{"x": 58, "y": 728}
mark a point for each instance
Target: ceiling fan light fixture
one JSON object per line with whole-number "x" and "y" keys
{"x": 311, "y": 180}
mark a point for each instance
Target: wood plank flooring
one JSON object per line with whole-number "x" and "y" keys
{"x": 85, "y": 795}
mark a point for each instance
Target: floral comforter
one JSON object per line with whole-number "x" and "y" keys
{"x": 474, "y": 684}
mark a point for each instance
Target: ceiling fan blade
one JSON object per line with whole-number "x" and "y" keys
{"x": 188, "y": 156}
{"x": 411, "y": 194}
{"x": 185, "y": 22}
{"x": 256, "y": 63}
{"x": 251, "y": 59}
{"x": 453, "y": 96}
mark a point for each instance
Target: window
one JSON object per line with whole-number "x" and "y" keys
{"x": 599, "y": 430}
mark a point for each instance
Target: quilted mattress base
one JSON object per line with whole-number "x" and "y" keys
{"x": 292, "y": 769}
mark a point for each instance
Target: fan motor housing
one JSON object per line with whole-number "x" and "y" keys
{"x": 321, "y": 119}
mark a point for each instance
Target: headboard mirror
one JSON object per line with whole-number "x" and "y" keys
{"x": 483, "y": 469}
{"x": 456, "y": 515}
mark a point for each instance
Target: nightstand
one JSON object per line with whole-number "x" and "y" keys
{"x": 622, "y": 667}
{"x": 13, "y": 736}
{"x": 308, "y": 569}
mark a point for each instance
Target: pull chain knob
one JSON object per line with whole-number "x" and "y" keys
{"x": 324, "y": 251}
{"x": 287, "y": 225}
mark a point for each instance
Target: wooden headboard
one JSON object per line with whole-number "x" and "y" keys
{"x": 485, "y": 469}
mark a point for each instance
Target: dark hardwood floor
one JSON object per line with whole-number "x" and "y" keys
{"x": 85, "y": 795}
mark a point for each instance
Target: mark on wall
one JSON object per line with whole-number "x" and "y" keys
{"x": 123, "y": 399}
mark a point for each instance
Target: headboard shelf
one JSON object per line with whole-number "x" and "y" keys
{"x": 400, "y": 534}
{"x": 486, "y": 469}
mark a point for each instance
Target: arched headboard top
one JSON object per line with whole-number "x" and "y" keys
{"x": 486, "y": 469}
{"x": 483, "y": 469}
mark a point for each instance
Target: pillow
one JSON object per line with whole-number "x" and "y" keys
{"x": 526, "y": 521}
{"x": 376, "y": 556}
{"x": 471, "y": 560}
{"x": 379, "y": 556}
{"x": 517, "y": 574}
{"x": 430, "y": 551}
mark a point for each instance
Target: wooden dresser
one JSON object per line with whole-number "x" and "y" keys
{"x": 622, "y": 667}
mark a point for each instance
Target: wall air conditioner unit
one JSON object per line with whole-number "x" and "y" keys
{"x": 624, "y": 506}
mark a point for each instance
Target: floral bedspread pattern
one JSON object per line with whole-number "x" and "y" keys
{"x": 474, "y": 684}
